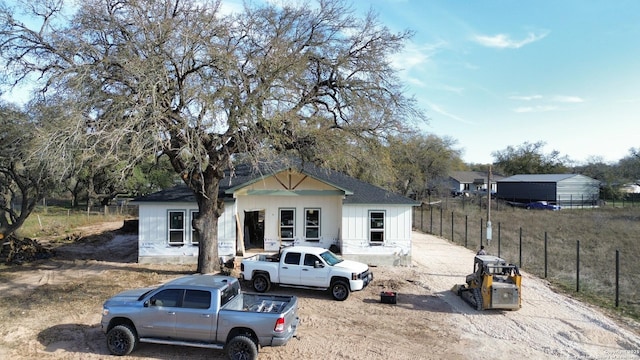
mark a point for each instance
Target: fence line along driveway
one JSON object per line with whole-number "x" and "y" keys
{"x": 549, "y": 324}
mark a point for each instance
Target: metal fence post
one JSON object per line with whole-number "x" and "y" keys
{"x": 481, "y": 220}
{"x": 498, "y": 239}
{"x": 578, "y": 266}
{"x": 466, "y": 229}
{"x": 520, "y": 251}
{"x": 431, "y": 220}
{"x": 545, "y": 255}
{"x": 617, "y": 278}
{"x": 440, "y": 221}
{"x": 452, "y": 226}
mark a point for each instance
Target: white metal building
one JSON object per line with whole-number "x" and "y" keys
{"x": 566, "y": 190}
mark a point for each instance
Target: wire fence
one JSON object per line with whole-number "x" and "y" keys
{"x": 582, "y": 268}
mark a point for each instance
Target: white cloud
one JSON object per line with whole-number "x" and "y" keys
{"x": 538, "y": 108}
{"x": 503, "y": 41}
{"x": 543, "y": 103}
{"x": 526, "y": 97}
{"x": 567, "y": 99}
{"x": 437, "y": 108}
{"x": 415, "y": 55}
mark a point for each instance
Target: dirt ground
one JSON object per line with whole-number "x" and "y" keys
{"x": 428, "y": 322}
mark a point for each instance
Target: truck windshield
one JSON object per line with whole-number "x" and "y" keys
{"x": 330, "y": 258}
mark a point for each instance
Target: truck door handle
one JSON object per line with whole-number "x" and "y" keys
{"x": 305, "y": 269}
{"x": 206, "y": 315}
{"x": 285, "y": 267}
{"x": 171, "y": 312}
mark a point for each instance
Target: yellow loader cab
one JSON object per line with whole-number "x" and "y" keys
{"x": 494, "y": 284}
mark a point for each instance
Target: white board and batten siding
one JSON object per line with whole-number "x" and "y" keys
{"x": 356, "y": 244}
{"x": 330, "y": 213}
{"x": 153, "y": 243}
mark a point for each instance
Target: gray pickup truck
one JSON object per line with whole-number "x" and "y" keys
{"x": 207, "y": 311}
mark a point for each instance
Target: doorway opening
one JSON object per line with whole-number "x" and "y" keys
{"x": 254, "y": 229}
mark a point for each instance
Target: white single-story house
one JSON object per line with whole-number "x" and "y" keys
{"x": 471, "y": 182}
{"x": 302, "y": 205}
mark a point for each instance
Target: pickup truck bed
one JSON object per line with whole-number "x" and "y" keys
{"x": 207, "y": 311}
{"x": 258, "y": 303}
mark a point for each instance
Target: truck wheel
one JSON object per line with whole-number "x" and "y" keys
{"x": 340, "y": 290}
{"x": 261, "y": 283}
{"x": 241, "y": 348}
{"x": 122, "y": 339}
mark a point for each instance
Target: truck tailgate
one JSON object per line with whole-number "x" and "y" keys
{"x": 273, "y": 318}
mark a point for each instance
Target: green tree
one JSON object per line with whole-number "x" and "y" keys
{"x": 529, "y": 158}
{"x": 182, "y": 79}
{"x": 421, "y": 162}
{"x": 24, "y": 177}
{"x": 630, "y": 166}
{"x": 607, "y": 174}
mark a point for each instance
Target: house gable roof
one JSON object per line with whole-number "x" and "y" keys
{"x": 468, "y": 177}
{"x": 355, "y": 191}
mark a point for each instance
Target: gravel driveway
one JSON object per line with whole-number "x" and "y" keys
{"x": 428, "y": 322}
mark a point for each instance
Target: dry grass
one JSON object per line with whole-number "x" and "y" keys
{"x": 600, "y": 232}
{"x": 66, "y": 302}
{"x": 58, "y": 221}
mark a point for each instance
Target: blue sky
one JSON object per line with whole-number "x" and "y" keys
{"x": 496, "y": 73}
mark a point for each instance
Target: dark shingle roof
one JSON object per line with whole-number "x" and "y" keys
{"x": 469, "y": 176}
{"x": 356, "y": 191}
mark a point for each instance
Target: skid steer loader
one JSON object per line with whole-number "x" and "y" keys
{"x": 494, "y": 284}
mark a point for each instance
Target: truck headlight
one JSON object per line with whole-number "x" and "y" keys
{"x": 105, "y": 311}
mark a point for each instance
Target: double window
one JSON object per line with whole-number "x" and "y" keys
{"x": 179, "y": 230}
{"x": 376, "y": 226}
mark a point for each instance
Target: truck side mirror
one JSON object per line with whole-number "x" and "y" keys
{"x": 317, "y": 264}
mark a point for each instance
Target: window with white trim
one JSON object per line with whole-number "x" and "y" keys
{"x": 176, "y": 227}
{"x": 195, "y": 238}
{"x": 376, "y": 226}
{"x": 287, "y": 224}
{"x": 312, "y": 224}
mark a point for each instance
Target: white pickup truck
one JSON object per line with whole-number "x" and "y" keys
{"x": 306, "y": 267}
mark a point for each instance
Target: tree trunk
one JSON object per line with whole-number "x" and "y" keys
{"x": 208, "y": 259}
{"x": 209, "y": 211}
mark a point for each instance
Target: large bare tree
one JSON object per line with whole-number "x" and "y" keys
{"x": 184, "y": 79}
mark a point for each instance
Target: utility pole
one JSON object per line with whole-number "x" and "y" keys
{"x": 489, "y": 206}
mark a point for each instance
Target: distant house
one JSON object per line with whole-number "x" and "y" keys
{"x": 631, "y": 188}
{"x": 471, "y": 182}
{"x": 566, "y": 190}
{"x": 294, "y": 205}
